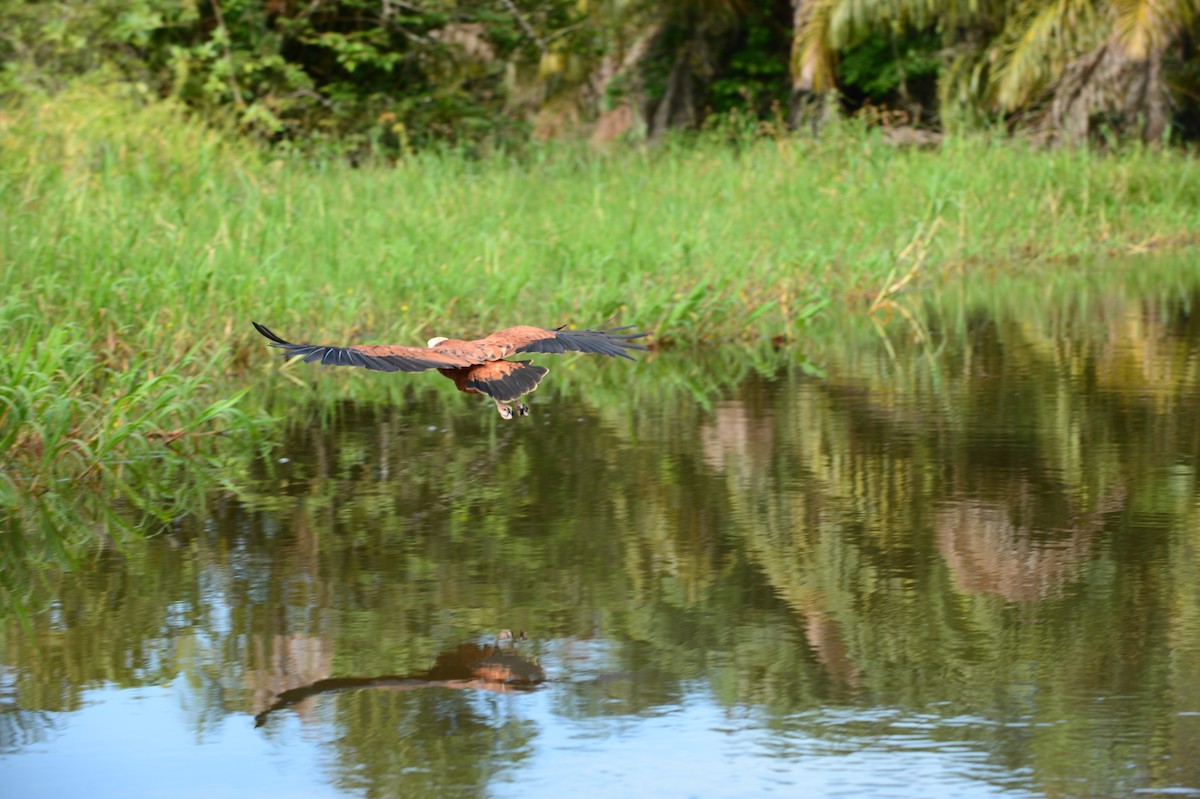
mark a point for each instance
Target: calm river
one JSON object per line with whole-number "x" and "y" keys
{"x": 959, "y": 561}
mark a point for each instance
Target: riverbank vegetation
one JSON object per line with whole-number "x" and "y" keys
{"x": 139, "y": 242}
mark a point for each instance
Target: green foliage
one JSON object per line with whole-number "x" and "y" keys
{"x": 754, "y": 77}
{"x": 44, "y": 45}
{"x": 350, "y": 76}
{"x": 375, "y": 78}
{"x": 884, "y": 63}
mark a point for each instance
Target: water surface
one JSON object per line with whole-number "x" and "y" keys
{"x": 964, "y": 561}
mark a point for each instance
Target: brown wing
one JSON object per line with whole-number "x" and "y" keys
{"x": 501, "y": 380}
{"x": 383, "y": 358}
{"x": 608, "y": 342}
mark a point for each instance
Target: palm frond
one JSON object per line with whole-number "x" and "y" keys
{"x": 1146, "y": 27}
{"x": 1040, "y": 38}
{"x": 813, "y": 54}
{"x": 854, "y": 20}
{"x": 962, "y": 87}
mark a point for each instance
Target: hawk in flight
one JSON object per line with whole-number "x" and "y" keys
{"x": 476, "y": 367}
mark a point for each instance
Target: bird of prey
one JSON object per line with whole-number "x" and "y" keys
{"x": 476, "y": 367}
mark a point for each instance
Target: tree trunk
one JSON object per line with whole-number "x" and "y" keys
{"x": 678, "y": 107}
{"x": 1108, "y": 87}
{"x": 808, "y": 106}
{"x": 628, "y": 113}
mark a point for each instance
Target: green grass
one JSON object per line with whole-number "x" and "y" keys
{"x": 138, "y": 245}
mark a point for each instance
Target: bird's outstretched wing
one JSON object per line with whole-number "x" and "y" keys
{"x": 380, "y": 358}
{"x": 611, "y": 342}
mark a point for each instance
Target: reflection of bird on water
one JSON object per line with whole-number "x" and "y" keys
{"x": 491, "y": 668}
{"x": 476, "y": 367}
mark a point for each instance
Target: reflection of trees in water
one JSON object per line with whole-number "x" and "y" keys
{"x": 1012, "y": 464}
{"x": 428, "y": 743}
{"x": 884, "y": 535}
{"x": 21, "y": 729}
{"x": 287, "y": 663}
{"x": 824, "y": 635}
{"x": 999, "y": 547}
{"x": 996, "y": 410}
{"x": 1179, "y": 747}
{"x": 736, "y": 436}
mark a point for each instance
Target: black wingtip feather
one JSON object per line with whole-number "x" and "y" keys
{"x": 266, "y": 331}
